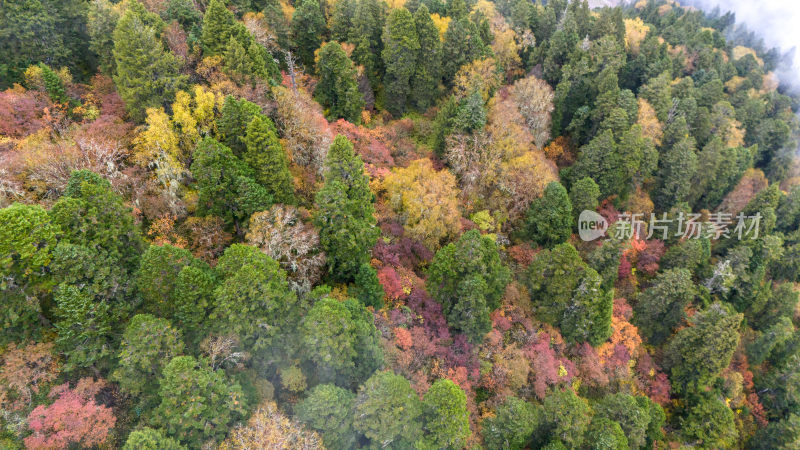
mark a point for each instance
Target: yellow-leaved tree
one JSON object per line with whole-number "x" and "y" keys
{"x": 165, "y": 144}
{"x": 724, "y": 123}
{"x": 480, "y": 75}
{"x": 157, "y": 145}
{"x": 194, "y": 114}
{"x": 425, "y": 201}
{"x": 268, "y": 428}
{"x": 506, "y": 50}
{"x": 635, "y": 32}
{"x": 500, "y": 169}
{"x": 157, "y": 148}
{"x": 441, "y": 24}
{"x": 651, "y": 127}
{"x": 171, "y": 140}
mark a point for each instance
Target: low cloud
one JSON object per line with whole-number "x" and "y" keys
{"x": 775, "y": 21}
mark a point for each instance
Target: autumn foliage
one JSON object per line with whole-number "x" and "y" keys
{"x": 74, "y": 418}
{"x": 356, "y": 224}
{"x": 426, "y": 202}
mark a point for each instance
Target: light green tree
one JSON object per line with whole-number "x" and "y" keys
{"x": 428, "y": 68}
{"x": 197, "y": 403}
{"x": 697, "y": 354}
{"x": 148, "y": 344}
{"x": 84, "y": 327}
{"x": 253, "y": 299}
{"x": 150, "y": 439}
{"x": 661, "y": 306}
{"x": 267, "y": 158}
{"x": 27, "y": 240}
{"x": 308, "y": 29}
{"x": 218, "y": 24}
{"x": 340, "y": 345}
{"x": 444, "y": 415}
{"x": 387, "y": 411}
{"x": 468, "y": 279}
{"x": 512, "y": 425}
{"x": 146, "y": 75}
{"x": 225, "y": 186}
{"x": 328, "y": 409}
{"x": 548, "y": 221}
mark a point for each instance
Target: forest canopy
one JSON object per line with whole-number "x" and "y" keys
{"x": 428, "y": 224}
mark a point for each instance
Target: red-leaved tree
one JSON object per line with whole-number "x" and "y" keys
{"x": 74, "y": 418}
{"x": 548, "y": 369}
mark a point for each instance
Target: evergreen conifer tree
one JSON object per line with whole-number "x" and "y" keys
{"x": 337, "y": 89}
{"x": 428, "y": 70}
{"x": 147, "y": 76}
{"x": 308, "y": 29}
{"x": 218, "y": 23}
{"x": 400, "y": 51}
{"x": 345, "y": 215}
{"x": 266, "y": 156}
{"x": 462, "y": 45}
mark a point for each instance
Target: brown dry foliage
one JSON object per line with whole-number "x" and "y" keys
{"x": 752, "y": 182}
{"x": 24, "y": 372}
{"x": 206, "y": 236}
{"x": 304, "y": 129}
{"x": 534, "y": 98}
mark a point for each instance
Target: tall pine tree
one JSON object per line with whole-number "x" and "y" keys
{"x": 102, "y": 17}
{"x": 341, "y": 20}
{"x": 147, "y": 76}
{"x": 308, "y": 29}
{"x": 345, "y": 214}
{"x": 428, "y": 70}
{"x": 677, "y": 166}
{"x": 456, "y": 9}
{"x": 337, "y": 89}
{"x": 368, "y": 21}
{"x": 225, "y": 187}
{"x": 588, "y": 316}
{"x": 232, "y": 125}
{"x": 236, "y": 61}
{"x": 218, "y": 23}
{"x": 266, "y": 156}
{"x": 698, "y": 353}
{"x": 468, "y": 279}
{"x": 400, "y": 47}
{"x": 462, "y": 45}
{"x": 49, "y": 31}
{"x": 549, "y": 218}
